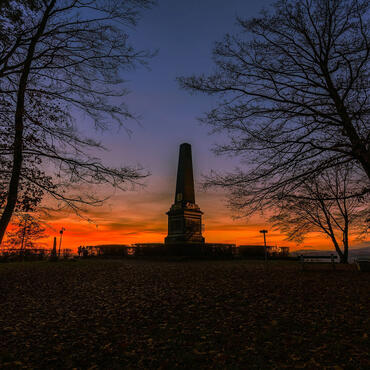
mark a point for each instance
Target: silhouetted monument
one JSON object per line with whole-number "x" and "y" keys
{"x": 184, "y": 217}
{"x": 185, "y": 228}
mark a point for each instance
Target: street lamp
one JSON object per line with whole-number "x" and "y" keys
{"x": 264, "y": 232}
{"x": 60, "y": 241}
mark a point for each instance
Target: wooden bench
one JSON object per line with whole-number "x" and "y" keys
{"x": 316, "y": 258}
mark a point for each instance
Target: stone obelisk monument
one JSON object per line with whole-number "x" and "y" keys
{"x": 184, "y": 217}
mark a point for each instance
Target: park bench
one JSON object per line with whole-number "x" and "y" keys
{"x": 317, "y": 258}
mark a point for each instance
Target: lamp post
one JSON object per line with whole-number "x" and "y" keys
{"x": 60, "y": 241}
{"x": 264, "y": 232}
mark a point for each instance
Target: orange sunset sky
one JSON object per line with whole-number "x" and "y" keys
{"x": 139, "y": 216}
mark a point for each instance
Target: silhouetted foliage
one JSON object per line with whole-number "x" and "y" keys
{"x": 26, "y": 233}
{"x": 322, "y": 204}
{"x": 294, "y": 97}
{"x": 60, "y": 60}
{"x": 29, "y": 193}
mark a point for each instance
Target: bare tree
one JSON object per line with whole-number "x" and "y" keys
{"x": 25, "y": 233}
{"x": 322, "y": 204}
{"x": 61, "y": 59}
{"x": 294, "y": 97}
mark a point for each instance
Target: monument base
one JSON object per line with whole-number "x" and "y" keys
{"x": 185, "y": 249}
{"x": 183, "y": 239}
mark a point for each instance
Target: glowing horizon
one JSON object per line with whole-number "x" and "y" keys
{"x": 117, "y": 223}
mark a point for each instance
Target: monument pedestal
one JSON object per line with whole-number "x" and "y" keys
{"x": 184, "y": 227}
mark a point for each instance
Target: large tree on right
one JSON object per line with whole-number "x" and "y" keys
{"x": 293, "y": 90}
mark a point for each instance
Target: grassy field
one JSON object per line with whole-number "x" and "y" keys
{"x": 222, "y": 314}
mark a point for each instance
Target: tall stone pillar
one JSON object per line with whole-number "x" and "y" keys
{"x": 184, "y": 217}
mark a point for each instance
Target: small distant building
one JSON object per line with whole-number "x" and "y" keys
{"x": 252, "y": 251}
{"x": 284, "y": 251}
{"x": 149, "y": 249}
{"x": 219, "y": 249}
{"x": 258, "y": 251}
{"x": 113, "y": 250}
{"x": 276, "y": 251}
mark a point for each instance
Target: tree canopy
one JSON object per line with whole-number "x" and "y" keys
{"x": 26, "y": 233}
{"x": 322, "y": 205}
{"x": 293, "y": 90}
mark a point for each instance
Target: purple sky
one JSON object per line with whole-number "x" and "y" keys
{"x": 184, "y": 32}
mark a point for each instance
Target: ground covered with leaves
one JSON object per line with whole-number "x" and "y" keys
{"x": 144, "y": 314}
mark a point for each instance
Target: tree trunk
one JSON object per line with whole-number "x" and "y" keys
{"x": 17, "y": 157}
{"x": 345, "y": 245}
{"x": 24, "y": 233}
{"x": 344, "y": 259}
{"x": 12, "y": 197}
{"x": 341, "y": 255}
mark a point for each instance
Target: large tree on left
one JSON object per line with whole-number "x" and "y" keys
{"x": 61, "y": 59}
